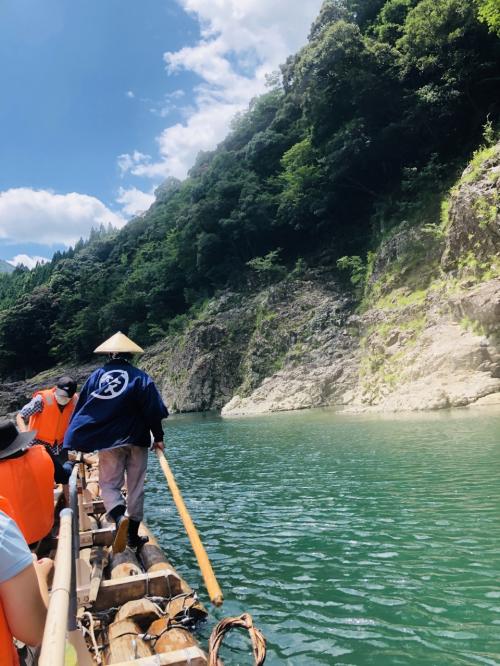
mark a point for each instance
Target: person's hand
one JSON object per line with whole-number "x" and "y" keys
{"x": 22, "y": 426}
{"x": 43, "y": 566}
{"x": 158, "y": 446}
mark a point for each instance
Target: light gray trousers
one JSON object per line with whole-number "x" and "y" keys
{"x": 113, "y": 465}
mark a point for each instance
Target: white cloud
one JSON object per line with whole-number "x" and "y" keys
{"x": 48, "y": 218}
{"x": 241, "y": 42}
{"x": 127, "y": 161}
{"x": 130, "y": 94}
{"x": 177, "y": 94}
{"x": 134, "y": 201}
{"x": 27, "y": 260}
{"x": 181, "y": 143}
{"x": 168, "y": 104}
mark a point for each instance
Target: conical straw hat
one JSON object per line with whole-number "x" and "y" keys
{"x": 118, "y": 343}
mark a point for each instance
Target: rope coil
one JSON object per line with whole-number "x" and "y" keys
{"x": 244, "y": 621}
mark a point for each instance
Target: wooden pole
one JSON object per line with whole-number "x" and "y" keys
{"x": 213, "y": 589}
{"x": 54, "y": 635}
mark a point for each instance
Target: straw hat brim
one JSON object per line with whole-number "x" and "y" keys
{"x": 118, "y": 343}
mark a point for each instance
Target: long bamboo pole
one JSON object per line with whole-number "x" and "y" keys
{"x": 54, "y": 635}
{"x": 213, "y": 589}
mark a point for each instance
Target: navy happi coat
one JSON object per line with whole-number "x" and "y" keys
{"x": 118, "y": 404}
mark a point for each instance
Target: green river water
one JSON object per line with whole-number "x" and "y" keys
{"x": 350, "y": 539}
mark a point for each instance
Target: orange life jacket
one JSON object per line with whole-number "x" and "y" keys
{"x": 6, "y": 507}
{"x": 51, "y": 423}
{"x": 8, "y": 653}
{"x": 27, "y": 482}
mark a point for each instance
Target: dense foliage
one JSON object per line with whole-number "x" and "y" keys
{"x": 386, "y": 97}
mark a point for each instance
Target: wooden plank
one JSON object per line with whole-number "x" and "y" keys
{"x": 102, "y": 537}
{"x": 97, "y": 506}
{"x": 191, "y": 656}
{"x": 99, "y": 560}
{"x": 86, "y": 522}
{"x": 93, "y": 487}
{"x": 114, "y": 593}
{"x": 89, "y": 538}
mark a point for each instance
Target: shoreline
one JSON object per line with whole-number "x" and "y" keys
{"x": 341, "y": 410}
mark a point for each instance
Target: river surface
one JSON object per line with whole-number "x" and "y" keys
{"x": 352, "y": 540}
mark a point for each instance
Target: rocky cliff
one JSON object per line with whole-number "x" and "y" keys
{"x": 431, "y": 328}
{"x": 286, "y": 347}
{"x": 13, "y": 395}
{"x": 426, "y": 335}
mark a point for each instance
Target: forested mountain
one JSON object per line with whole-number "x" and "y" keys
{"x": 5, "y": 267}
{"x": 362, "y": 128}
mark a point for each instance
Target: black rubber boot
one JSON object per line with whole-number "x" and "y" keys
{"x": 117, "y": 513}
{"x": 134, "y": 540}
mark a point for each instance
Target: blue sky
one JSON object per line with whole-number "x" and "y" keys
{"x": 101, "y": 100}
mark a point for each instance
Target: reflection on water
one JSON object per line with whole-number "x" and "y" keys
{"x": 350, "y": 539}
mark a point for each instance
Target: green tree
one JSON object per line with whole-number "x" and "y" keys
{"x": 489, "y": 13}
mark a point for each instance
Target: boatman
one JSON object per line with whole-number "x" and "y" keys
{"x": 119, "y": 413}
{"x": 49, "y": 413}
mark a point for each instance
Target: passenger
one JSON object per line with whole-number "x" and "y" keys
{"x": 118, "y": 409}
{"x": 49, "y": 413}
{"x": 23, "y": 590}
{"x": 26, "y": 481}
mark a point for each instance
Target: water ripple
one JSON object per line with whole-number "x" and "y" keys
{"x": 351, "y": 540}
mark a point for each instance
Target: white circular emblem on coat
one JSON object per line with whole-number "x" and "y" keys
{"x": 111, "y": 384}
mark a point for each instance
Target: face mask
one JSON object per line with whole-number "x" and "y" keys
{"x": 62, "y": 401}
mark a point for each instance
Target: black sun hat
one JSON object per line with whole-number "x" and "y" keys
{"x": 11, "y": 440}
{"x": 66, "y": 386}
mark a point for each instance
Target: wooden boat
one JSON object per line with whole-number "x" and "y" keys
{"x": 127, "y": 608}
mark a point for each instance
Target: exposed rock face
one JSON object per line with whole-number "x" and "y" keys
{"x": 441, "y": 347}
{"x": 199, "y": 369}
{"x": 446, "y": 366}
{"x": 399, "y": 248}
{"x": 296, "y": 389}
{"x": 474, "y": 216}
{"x": 429, "y": 348}
{"x": 287, "y": 344}
{"x": 480, "y": 304}
{"x": 413, "y": 364}
{"x": 13, "y": 395}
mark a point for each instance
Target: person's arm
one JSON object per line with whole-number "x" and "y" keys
{"x": 21, "y": 423}
{"x": 24, "y": 599}
{"x": 43, "y": 568}
{"x": 23, "y": 416}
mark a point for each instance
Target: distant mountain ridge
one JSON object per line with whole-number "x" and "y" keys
{"x": 5, "y": 267}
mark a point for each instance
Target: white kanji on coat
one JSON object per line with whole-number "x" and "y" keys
{"x": 112, "y": 384}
